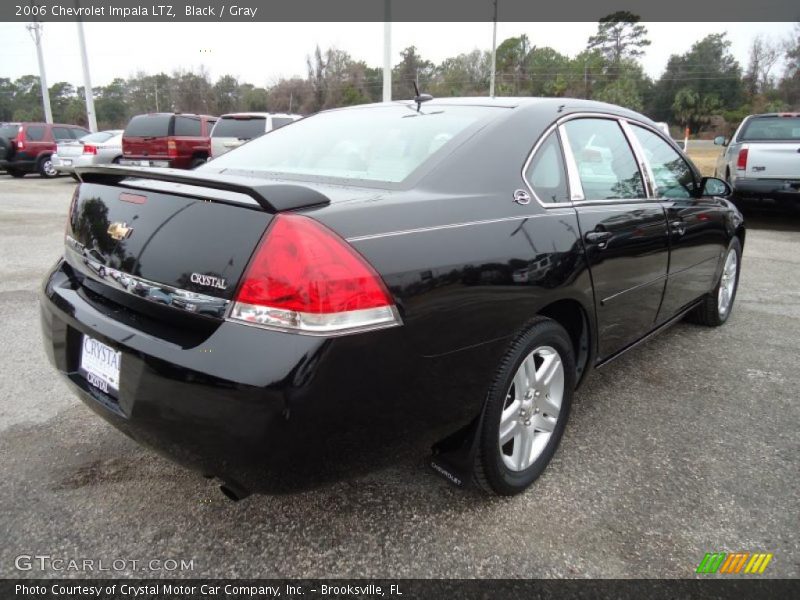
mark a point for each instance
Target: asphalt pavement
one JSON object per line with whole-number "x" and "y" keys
{"x": 687, "y": 445}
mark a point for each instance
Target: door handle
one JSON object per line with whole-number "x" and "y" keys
{"x": 678, "y": 227}
{"x": 598, "y": 237}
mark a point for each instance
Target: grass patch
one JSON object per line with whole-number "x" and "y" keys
{"x": 704, "y": 158}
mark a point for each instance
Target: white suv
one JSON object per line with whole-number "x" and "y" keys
{"x": 235, "y": 129}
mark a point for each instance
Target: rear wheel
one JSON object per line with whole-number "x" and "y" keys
{"x": 197, "y": 162}
{"x": 716, "y": 307}
{"x": 526, "y": 409}
{"x": 46, "y": 168}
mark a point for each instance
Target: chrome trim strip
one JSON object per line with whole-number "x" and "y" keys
{"x": 644, "y": 167}
{"x": 393, "y": 320}
{"x": 373, "y": 236}
{"x": 144, "y": 289}
{"x": 576, "y": 193}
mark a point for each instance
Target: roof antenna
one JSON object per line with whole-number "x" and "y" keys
{"x": 420, "y": 98}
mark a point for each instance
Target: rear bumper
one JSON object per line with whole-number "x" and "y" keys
{"x": 150, "y": 161}
{"x": 767, "y": 188}
{"x": 268, "y": 411}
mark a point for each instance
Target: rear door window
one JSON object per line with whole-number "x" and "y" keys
{"x": 546, "y": 173}
{"x": 606, "y": 164}
{"x": 62, "y": 133}
{"x": 188, "y": 127}
{"x": 34, "y": 133}
{"x": 149, "y": 126}
{"x": 242, "y": 128}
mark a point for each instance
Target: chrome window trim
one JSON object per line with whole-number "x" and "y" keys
{"x": 542, "y": 139}
{"x": 573, "y": 176}
{"x": 644, "y": 166}
{"x": 576, "y": 193}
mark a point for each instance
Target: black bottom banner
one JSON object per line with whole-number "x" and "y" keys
{"x": 402, "y": 589}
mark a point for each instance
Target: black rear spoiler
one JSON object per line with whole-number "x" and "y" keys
{"x": 272, "y": 197}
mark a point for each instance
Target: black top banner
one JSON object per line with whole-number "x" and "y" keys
{"x": 395, "y": 10}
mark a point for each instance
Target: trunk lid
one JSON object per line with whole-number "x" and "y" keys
{"x": 177, "y": 239}
{"x": 69, "y": 149}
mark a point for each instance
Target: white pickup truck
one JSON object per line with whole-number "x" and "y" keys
{"x": 762, "y": 159}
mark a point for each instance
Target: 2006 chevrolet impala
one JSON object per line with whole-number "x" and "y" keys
{"x": 371, "y": 279}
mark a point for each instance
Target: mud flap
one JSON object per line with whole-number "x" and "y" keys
{"x": 453, "y": 457}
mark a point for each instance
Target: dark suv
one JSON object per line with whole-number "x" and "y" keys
{"x": 27, "y": 147}
{"x": 182, "y": 141}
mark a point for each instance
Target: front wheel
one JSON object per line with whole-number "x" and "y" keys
{"x": 716, "y": 307}
{"x": 526, "y": 409}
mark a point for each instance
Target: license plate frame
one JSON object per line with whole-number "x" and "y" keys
{"x": 100, "y": 365}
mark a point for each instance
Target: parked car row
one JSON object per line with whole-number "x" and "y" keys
{"x": 177, "y": 140}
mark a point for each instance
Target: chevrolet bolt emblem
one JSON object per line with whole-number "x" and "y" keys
{"x": 119, "y": 231}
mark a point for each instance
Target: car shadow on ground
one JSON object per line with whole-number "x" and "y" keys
{"x": 769, "y": 217}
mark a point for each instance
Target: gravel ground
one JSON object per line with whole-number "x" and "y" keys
{"x": 686, "y": 445}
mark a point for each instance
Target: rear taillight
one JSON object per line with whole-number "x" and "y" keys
{"x": 741, "y": 161}
{"x": 305, "y": 278}
{"x": 172, "y": 149}
{"x": 89, "y": 149}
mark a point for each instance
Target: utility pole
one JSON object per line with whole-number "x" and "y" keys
{"x": 87, "y": 80}
{"x": 35, "y": 30}
{"x": 387, "y": 51}
{"x": 155, "y": 87}
{"x": 494, "y": 51}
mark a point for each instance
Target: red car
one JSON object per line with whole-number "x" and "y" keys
{"x": 28, "y": 147}
{"x": 181, "y": 141}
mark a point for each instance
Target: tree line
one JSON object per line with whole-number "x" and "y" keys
{"x": 703, "y": 88}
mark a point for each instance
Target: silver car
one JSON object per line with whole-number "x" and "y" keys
{"x": 101, "y": 148}
{"x": 233, "y": 130}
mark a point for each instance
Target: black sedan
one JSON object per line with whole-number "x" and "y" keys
{"x": 369, "y": 280}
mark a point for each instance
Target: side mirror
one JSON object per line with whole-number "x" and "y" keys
{"x": 720, "y": 140}
{"x": 712, "y": 186}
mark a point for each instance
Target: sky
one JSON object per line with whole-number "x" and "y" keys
{"x": 262, "y": 53}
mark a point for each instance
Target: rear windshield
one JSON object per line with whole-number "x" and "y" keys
{"x": 243, "y": 128}
{"x": 97, "y": 138}
{"x": 9, "y": 130}
{"x": 771, "y": 128}
{"x": 149, "y": 126}
{"x": 383, "y": 143}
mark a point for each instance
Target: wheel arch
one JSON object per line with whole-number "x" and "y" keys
{"x": 574, "y": 318}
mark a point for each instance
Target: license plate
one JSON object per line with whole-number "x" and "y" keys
{"x": 100, "y": 365}
{"x": 66, "y": 162}
{"x": 144, "y": 163}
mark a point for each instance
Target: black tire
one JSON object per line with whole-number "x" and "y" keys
{"x": 116, "y": 160}
{"x": 15, "y": 173}
{"x": 45, "y": 167}
{"x": 492, "y": 474}
{"x": 708, "y": 312}
{"x": 197, "y": 162}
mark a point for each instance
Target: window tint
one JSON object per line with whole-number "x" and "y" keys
{"x": 34, "y": 133}
{"x": 278, "y": 122}
{"x": 673, "y": 177}
{"x": 771, "y": 128}
{"x": 62, "y": 133}
{"x": 148, "y": 126}
{"x": 606, "y": 164}
{"x": 244, "y": 128}
{"x": 384, "y": 143}
{"x": 546, "y": 173}
{"x": 188, "y": 126}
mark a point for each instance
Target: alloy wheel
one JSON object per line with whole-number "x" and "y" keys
{"x": 727, "y": 284}
{"x": 532, "y": 408}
